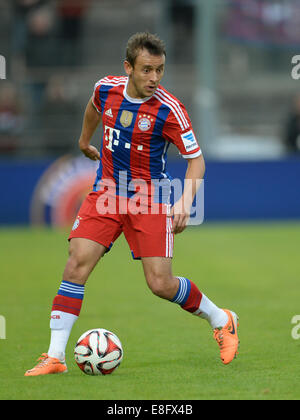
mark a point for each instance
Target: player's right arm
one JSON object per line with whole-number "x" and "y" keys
{"x": 91, "y": 120}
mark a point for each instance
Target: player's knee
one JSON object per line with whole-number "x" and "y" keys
{"x": 77, "y": 261}
{"x": 76, "y": 267}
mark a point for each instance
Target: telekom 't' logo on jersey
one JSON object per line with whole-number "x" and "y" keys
{"x": 109, "y": 137}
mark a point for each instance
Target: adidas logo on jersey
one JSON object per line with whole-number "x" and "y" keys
{"x": 109, "y": 113}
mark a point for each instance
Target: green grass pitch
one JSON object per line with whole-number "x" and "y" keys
{"x": 168, "y": 353}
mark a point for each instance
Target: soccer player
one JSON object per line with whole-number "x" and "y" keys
{"x": 139, "y": 121}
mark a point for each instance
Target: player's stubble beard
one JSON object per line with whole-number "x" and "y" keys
{"x": 140, "y": 91}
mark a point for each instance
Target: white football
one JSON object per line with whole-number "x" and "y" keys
{"x": 98, "y": 352}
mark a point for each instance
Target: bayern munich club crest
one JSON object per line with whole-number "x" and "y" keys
{"x": 144, "y": 123}
{"x": 76, "y": 223}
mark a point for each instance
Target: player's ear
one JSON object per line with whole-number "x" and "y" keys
{"x": 128, "y": 68}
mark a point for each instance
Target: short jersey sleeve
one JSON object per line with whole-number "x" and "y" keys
{"x": 96, "y": 97}
{"x": 179, "y": 131}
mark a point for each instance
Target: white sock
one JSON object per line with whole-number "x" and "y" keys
{"x": 61, "y": 324}
{"x": 216, "y": 317}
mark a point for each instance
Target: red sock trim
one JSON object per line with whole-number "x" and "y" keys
{"x": 194, "y": 299}
{"x": 67, "y": 304}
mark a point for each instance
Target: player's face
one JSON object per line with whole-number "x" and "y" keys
{"x": 146, "y": 74}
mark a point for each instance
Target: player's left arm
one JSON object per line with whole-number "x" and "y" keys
{"x": 193, "y": 178}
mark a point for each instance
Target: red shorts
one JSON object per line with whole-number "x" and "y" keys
{"x": 147, "y": 234}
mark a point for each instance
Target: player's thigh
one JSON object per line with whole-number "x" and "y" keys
{"x": 159, "y": 276}
{"x": 83, "y": 256}
{"x": 86, "y": 251}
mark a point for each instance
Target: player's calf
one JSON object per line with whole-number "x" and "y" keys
{"x": 159, "y": 277}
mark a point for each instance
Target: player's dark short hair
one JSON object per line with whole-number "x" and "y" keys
{"x": 144, "y": 40}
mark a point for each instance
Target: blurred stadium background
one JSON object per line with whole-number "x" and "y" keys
{"x": 228, "y": 61}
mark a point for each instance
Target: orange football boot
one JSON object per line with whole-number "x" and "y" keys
{"x": 47, "y": 365}
{"x": 227, "y": 338}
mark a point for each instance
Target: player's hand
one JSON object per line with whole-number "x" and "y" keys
{"x": 180, "y": 215}
{"x": 91, "y": 152}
